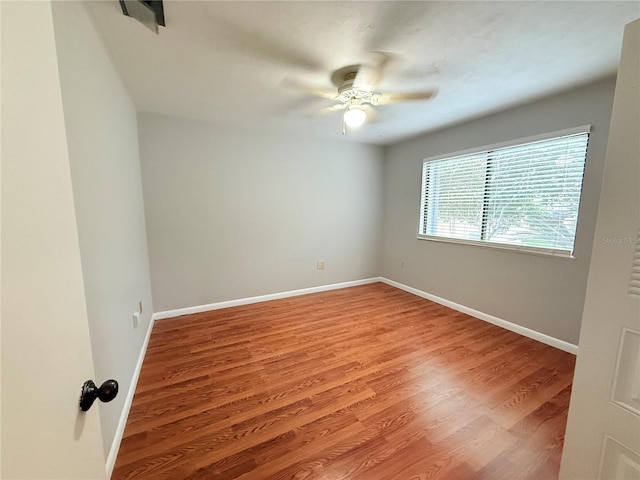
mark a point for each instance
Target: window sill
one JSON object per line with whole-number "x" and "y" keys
{"x": 501, "y": 246}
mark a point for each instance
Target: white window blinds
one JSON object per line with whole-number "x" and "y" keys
{"x": 524, "y": 195}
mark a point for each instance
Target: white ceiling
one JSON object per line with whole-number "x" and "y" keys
{"x": 225, "y": 61}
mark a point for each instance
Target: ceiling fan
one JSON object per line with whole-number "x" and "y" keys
{"x": 357, "y": 91}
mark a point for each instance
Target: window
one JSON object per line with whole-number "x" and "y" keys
{"x": 524, "y": 195}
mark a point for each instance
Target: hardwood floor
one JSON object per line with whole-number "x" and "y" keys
{"x": 367, "y": 382}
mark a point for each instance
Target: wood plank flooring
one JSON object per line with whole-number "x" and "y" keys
{"x": 367, "y": 382}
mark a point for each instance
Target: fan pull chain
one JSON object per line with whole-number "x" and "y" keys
{"x": 344, "y": 126}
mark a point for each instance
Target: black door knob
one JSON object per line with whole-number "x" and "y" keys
{"x": 107, "y": 392}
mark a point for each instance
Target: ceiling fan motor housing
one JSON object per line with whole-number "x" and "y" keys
{"x": 347, "y": 93}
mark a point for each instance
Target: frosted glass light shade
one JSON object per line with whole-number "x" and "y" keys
{"x": 354, "y": 116}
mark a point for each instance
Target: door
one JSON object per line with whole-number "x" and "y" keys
{"x": 603, "y": 431}
{"x": 46, "y": 354}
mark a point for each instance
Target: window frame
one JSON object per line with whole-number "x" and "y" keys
{"x": 584, "y": 129}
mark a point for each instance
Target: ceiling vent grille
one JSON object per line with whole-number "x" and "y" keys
{"x": 148, "y": 12}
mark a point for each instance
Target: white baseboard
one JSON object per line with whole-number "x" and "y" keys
{"x": 527, "y": 332}
{"x": 117, "y": 438}
{"x": 261, "y": 298}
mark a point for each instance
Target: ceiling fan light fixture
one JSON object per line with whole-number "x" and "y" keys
{"x": 354, "y": 116}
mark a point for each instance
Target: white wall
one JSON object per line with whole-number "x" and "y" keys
{"x": 105, "y": 171}
{"x": 541, "y": 293}
{"x": 46, "y": 352}
{"x": 233, "y": 214}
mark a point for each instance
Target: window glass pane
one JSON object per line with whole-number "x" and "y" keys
{"x": 526, "y": 195}
{"x": 533, "y": 194}
{"x": 455, "y": 190}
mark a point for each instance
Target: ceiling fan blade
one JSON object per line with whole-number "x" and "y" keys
{"x": 293, "y": 106}
{"x": 387, "y": 98}
{"x": 320, "y": 92}
{"x": 372, "y": 114}
{"x": 334, "y": 108}
{"x": 389, "y": 15}
{"x": 371, "y": 71}
{"x": 257, "y": 44}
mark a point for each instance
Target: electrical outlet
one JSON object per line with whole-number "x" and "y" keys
{"x": 320, "y": 265}
{"x": 136, "y": 319}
